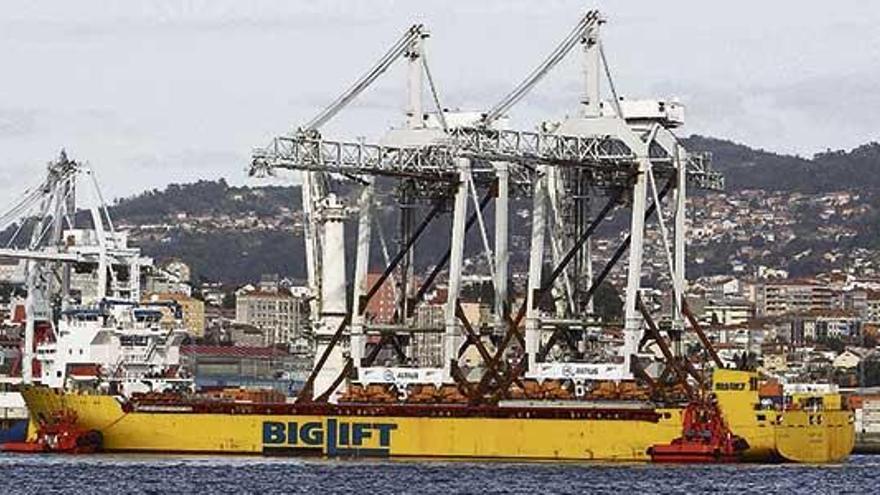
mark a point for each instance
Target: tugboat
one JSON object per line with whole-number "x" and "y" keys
{"x": 706, "y": 438}
{"x": 59, "y": 434}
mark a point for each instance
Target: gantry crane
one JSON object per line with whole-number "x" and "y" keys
{"x": 305, "y": 150}
{"x": 450, "y": 166}
{"x": 562, "y": 196}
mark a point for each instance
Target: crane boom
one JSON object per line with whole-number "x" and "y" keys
{"x": 398, "y": 49}
{"x": 39, "y": 255}
{"x": 562, "y": 49}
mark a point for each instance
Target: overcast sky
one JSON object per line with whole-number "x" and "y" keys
{"x": 169, "y": 91}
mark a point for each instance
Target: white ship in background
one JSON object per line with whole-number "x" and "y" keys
{"x": 117, "y": 347}
{"x": 86, "y": 326}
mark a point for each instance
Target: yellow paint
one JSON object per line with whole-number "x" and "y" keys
{"x": 768, "y": 433}
{"x": 792, "y": 435}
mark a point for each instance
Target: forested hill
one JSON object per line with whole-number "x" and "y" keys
{"x": 748, "y": 168}
{"x": 233, "y": 234}
{"x": 230, "y": 234}
{"x": 205, "y": 198}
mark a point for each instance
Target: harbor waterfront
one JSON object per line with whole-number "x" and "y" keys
{"x": 480, "y": 326}
{"x": 136, "y": 474}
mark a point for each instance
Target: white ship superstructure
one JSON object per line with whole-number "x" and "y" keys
{"x": 86, "y": 326}
{"x": 12, "y": 406}
{"x": 115, "y": 345}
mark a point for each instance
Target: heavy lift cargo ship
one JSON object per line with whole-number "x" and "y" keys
{"x": 617, "y": 150}
{"x": 558, "y": 430}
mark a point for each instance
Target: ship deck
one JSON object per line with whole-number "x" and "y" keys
{"x": 556, "y": 410}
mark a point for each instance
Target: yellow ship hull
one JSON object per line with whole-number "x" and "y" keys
{"x": 394, "y": 436}
{"x": 795, "y": 436}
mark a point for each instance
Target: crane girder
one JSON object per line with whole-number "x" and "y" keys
{"x": 610, "y": 160}
{"x": 38, "y": 255}
{"x": 356, "y": 158}
{"x": 541, "y": 148}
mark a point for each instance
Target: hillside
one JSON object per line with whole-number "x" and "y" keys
{"x": 747, "y": 168}
{"x": 205, "y": 198}
{"x": 785, "y": 212}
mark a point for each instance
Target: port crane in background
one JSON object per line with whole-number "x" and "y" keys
{"x": 448, "y": 166}
{"x": 38, "y": 222}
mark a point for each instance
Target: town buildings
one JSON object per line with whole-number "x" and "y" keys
{"x": 383, "y": 305}
{"x": 192, "y": 309}
{"x": 778, "y": 297}
{"x": 279, "y": 311}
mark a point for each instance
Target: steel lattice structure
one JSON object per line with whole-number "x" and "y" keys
{"x": 610, "y": 161}
{"x": 624, "y": 151}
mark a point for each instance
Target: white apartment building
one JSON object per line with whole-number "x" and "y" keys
{"x": 781, "y": 297}
{"x": 728, "y": 312}
{"x": 280, "y": 314}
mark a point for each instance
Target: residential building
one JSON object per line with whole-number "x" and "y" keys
{"x": 279, "y": 313}
{"x": 775, "y": 363}
{"x": 213, "y": 293}
{"x": 720, "y": 287}
{"x": 160, "y": 281}
{"x": 242, "y": 334}
{"x": 839, "y": 323}
{"x": 780, "y": 297}
{"x": 847, "y": 360}
{"x": 216, "y": 316}
{"x": 856, "y": 300}
{"x": 193, "y": 311}
{"x": 383, "y": 305}
{"x": 728, "y": 312}
{"x": 824, "y": 324}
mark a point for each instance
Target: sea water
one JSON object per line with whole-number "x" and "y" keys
{"x": 148, "y": 474}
